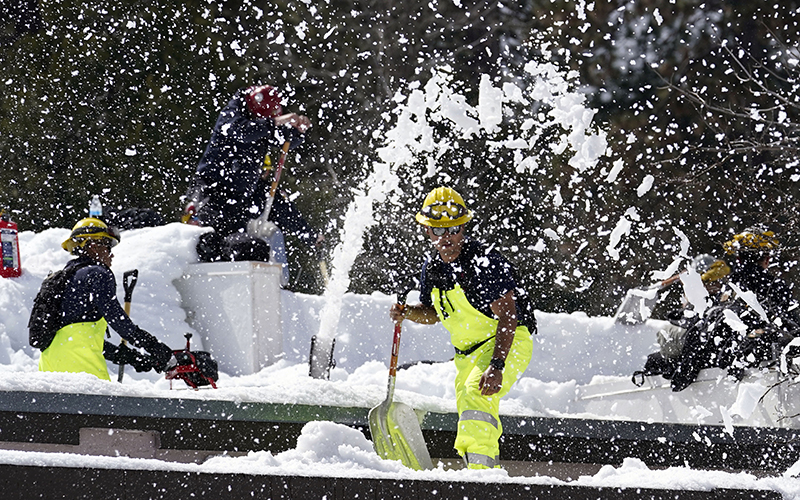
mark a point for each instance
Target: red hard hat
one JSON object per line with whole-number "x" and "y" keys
{"x": 264, "y": 101}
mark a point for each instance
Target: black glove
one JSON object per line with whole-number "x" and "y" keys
{"x": 160, "y": 352}
{"x": 123, "y": 354}
{"x": 294, "y": 136}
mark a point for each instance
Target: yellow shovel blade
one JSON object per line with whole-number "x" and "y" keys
{"x": 396, "y": 435}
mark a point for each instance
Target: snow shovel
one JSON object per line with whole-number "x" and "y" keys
{"x": 638, "y": 303}
{"x": 261, "y": 226}
{"x": 129, "y": 279}
{"x": 394, "y": 426}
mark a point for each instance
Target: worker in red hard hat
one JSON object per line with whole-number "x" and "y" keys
{"x": 232, "y": 181}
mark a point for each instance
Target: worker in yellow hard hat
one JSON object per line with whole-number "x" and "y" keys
{"x": 762, "y": 303}
{"x": 472, "y": 290}
{"x": 73, "y": 337}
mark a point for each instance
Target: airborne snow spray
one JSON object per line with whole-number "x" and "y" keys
{"x": 412, "y": 138}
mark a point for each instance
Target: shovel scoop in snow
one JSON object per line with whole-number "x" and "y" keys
{"x": 639, "y": 303}
{"x": 394, "y": 426}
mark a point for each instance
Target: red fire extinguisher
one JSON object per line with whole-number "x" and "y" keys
{"x": 10, "y": 266}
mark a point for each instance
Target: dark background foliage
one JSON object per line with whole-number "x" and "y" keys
{"x": 119, "y": 100}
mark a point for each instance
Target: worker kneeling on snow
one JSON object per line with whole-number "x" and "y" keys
{"x": 472, "y": 290}
{"x": 75, "y": 305}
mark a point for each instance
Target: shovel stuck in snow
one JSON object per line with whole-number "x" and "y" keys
{"x": 394, "y": 426}
{"x": 638, "y": 303}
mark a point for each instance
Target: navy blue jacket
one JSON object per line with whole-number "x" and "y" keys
{"x": 484, "y": 275}
{"x": 229, "y": 172}
{"x": 92, "y": 294}
{"x": 774, "y": 294}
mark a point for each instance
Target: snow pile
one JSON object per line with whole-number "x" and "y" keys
{"x": 574, "y": 354}
{"x": 334, "y": 450}
{"x": 570, "y": 352}
{"x": 570, "y": 349}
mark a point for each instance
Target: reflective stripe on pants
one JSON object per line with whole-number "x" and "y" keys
{"x": 477, "y": 461}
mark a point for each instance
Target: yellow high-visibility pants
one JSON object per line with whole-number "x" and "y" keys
{"x": 479, "y": 428}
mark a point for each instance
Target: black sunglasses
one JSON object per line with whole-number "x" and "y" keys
{"x": 439, "y": 231}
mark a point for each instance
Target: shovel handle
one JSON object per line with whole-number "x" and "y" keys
{"x": 129, "y": 279}
{"x": 279, "y": 168}
{"x": 395, "y": 349}
{"x": 274, "y": 187}
{"x": 398, "y": 328}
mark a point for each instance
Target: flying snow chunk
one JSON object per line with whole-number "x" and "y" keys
{"x": 236, "y": 48}
{"x": 301, "y": 29}
{"x": 657, "y": 16}
{"x": 615, "y": 170}
{"x": 130, "y": 152}
{"x": 623, "y": 228}
{"x": 490, "y": 105}
{"x": 750, "y": 299}
{"x": 645, "y": 186}
{"x": 551, "y": 234}
{"x": 557, "y": 199}
{"x": 540, "y": 245}
{"x": 694, "y": 290}
{"x": 684, "y": 242}
{"x": 732, "y": 319}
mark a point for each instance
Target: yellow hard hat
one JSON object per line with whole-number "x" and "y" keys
{"x": 751, "y": 240}
{"x": 716, "y": 271}
{"x": 90, "y": 229}
{"x": 443, "y": 207}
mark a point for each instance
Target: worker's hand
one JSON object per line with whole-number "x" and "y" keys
{"x": 397, "y": 312}
{"x": 124, "y": 355}
{"x": 300, "y": 122}
{"x": 140, "y": 362}
{"x": 162, "y": 355}
{"x": 491, "y": 381}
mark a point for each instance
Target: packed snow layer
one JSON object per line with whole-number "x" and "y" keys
{"x": 576, "y": 357}
{"x": 569, "y": 349}
{"x": 581, "y": 365}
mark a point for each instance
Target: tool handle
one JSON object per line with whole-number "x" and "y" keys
{"x": 398, "y": 328}
{"x": 395, "y": 349}
{"x": 274, "y": 188}
{"x": 279, "y": 168}
{"x": 129, "y": 279}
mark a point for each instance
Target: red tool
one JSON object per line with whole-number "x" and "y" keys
{"x": 197, "y": 369}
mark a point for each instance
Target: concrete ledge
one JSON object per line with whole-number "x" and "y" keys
{"x": 63, "y": 482}
{"x": 118, "y": 443}
{"x": 190, "y": 430}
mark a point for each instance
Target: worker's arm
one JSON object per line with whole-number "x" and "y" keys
{"x": 418, "y": 313}
{"x": 505, "y": 308}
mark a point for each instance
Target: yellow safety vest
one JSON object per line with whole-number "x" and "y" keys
{"x": 77, "y": 348}
{"x": 467, "y": 325}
